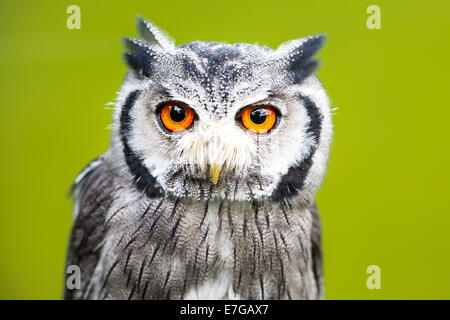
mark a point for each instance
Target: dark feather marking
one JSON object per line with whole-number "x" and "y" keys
{"x": 288, "y": 293}
{"x": 195, "y": 259}
{"x": 141, "y": 271}
{"x": 148, "y": 208}
{"x": 132, "y": 292}
{"x": 285, "y": 247}
{"x": 128, "y": 278}
{"x": 259, "y": 182}
{"x": 285, "y": 216}
{"x": 227, "y": 192}
{"x": 254, "y": 259}
{"x": 150, "y": 231}
{"x": 234, "y": 259}
{"x": 186, "y": 192}
{"x": 200, "y": 185}
{"x": 267, "y": 220}
{"x": 270, "y": 263}
{"x": 210, "y": 193}
{"x": 281, "y": 279}
{"x": 174, "y": 244}
{"x": 250, "y": 191}
{"x": 120, "y": 241}
{"x": 275, "y": 240}
{"x": 165, "y": 281}
{"x": 244, "y": 225}
{"x": 174, "y": 229}
{"x": 144, "y": 291}
{"x": 206, "y": 259}
{"x": 114, "y": 214}
{"x": 316, "y": 250}
{"x": 204, "y": 214}
{"x": 164, "y": 246}
{"x": 139, "y": 228}
{"x": 105, "y": 296}
{"x": 219, "y": 213}
{"x": 289, "y": 204}
{"x": 239, "y": 279}
{"x": 184, "y": 287}
{"x": 130, "y": 242}
{"x": 197, "y": 277}
{"x": 255, "y": 207}
{"x": 109, "y": 274}
{"x": 144, "y": 181}
{"x": 89, "y": 292}
{"x": 174, "y": 208}
{"x": 293, "y": 181}
{"x": 154, "y": 254}
{"x": 127, "y": 261}
{"x": 205, "y": 235}
{"x": 230, "y": 220}
{"x": 315, "y": 118}
{"x": 236, "y": 188}
{"x": 261, "y": 283}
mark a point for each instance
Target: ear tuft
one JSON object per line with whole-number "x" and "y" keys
{"x": 153, "y": 35}
{"x": 299, "y": 55}
{"x": 139, "y": 56}
{"x": 141, "y": 53}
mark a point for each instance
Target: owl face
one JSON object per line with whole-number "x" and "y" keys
{"x": 235, "y": 121}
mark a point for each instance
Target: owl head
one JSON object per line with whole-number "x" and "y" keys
{"x": 209, "y": 120}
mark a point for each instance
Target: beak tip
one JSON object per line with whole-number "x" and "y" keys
{"x": 215, "y": 173}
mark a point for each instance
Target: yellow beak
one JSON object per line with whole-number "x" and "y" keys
{"x": 214, "y": 171}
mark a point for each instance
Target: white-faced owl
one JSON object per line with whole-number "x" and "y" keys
{"x": 208, "y": 188}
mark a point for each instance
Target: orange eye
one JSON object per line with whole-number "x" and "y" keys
{"x": 259, "y": 119}
{"x": 176, "y": 116}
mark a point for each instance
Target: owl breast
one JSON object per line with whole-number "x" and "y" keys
{"x": 219, "y": 284}
{"x": 170, "y": 248}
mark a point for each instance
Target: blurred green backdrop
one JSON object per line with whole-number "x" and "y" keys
{"x": 385, "y": 197}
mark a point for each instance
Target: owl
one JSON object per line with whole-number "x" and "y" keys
{"x": 207, "y": 190}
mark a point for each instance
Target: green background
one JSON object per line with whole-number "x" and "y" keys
{"x": 385, "y": 199}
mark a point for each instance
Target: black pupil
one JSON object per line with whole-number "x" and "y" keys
{"x": 258, "y": 116}
{"x": 177, "y": 113}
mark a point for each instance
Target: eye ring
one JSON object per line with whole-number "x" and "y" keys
{"x": 175, "y": 116}
{"x": 259, "y": 119}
